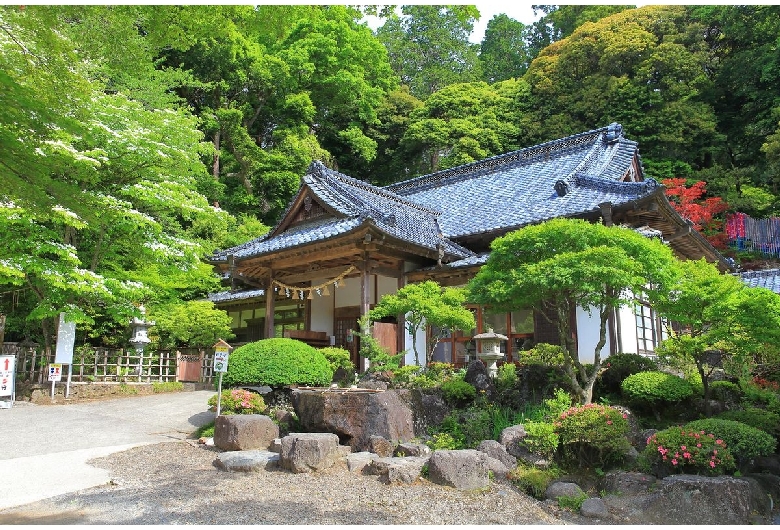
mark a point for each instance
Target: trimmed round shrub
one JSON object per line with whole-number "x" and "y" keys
{"x": 650, "y": 389}
{"x": 592, "y": 435}
{"x": 618, "y": 367}
{"x": 338, "y": 358}
{"x": 744, "y": 442}
{"x": 543, "y": 353}
{"x": 277, "y": 362}
{"x": 767, "y": 421}
{"x": 683, "y": 450}
{"x": 458, "y": 392}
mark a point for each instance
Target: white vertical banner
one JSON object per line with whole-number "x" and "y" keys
{"x": 66, "y": 339}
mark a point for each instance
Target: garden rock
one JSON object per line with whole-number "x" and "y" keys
{"x": 397, "y": 470}
{"x": 594, "y": 508}
{"x": 380, "y": 446}
{"x": 627, "y": 482}
{"x": 428, "y": 408}
{"x": 307, "y": 452}
{"x": 694, "y": 499}
{"x": 556, "y": 490}
{"x": 354, "y": 416}
{"x": 477, "y": 376}
{"x": 532, "y": 459}
{"x": 412, "y": 449}
{"x": 497, "y": 467}
{"x": 359, "y": 462}
{"x": 464, "y": 469}
{"x": 510, "y": 438}
{"x": 242, "y": 432}
{"x": 247, "y": 461}
{"x": 495, "y": 450}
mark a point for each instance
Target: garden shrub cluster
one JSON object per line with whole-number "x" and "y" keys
{"x": 277, "y": 362}
{"x": 679, "y": 450}
{"x": 649, "y": 390}
{"x": 338, "y": 358}
{"x": 238, "y": 401}
{"x": 592, "y": 435}
{"x": 767, "y": 421}
{"x": 743, "y": 441}
{"x": 617, "y": 368}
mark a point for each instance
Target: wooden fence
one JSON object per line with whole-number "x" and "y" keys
{"x": 754, "y": 235}
{"x": 114, "y": 365}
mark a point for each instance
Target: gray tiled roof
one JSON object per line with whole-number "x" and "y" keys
{"x": 493, "y": 195}
{"x": 769, "y": 279}
{"x": 358, "y": 202}
{"x": 519, "y": 188}
{"x": 229, "y": 296}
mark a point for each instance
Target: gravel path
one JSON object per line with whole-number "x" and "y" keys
{"x": 177, "y": 483}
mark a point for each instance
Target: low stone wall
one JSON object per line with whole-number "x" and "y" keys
{"x": 41, "y": 393}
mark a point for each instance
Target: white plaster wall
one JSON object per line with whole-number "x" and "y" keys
{"x": 386, "y": 285}
{"x": 588, "y": 336}
{"x": 349, "y": 295}
{"x": 421, "y": 346}
{"x": 627, "y": 327}
{"x": 322, "y": 310}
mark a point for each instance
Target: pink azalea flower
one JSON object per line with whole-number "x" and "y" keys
{"x": 674, "y": 461}
{"x": 712, "y": 464}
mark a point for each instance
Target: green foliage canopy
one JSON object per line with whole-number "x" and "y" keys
{"x": 560, "y": 265}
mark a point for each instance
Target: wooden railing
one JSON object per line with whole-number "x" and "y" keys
{"x": 91, "y": 364}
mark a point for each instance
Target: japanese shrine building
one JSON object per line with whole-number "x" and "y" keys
{"x": 343, "y": 243}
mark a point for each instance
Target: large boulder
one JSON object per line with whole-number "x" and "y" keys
{"x": 354, "y": 415}
{"x": 307, "y": 452}
{"x": 242, "y": 432}
{"x": 634, "y": 498}
{"x": 428, "y": 408}
{"x": 694, "y": 499}
{"x": 464, "y": 469}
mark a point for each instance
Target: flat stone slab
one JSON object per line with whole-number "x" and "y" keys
{"x": 357, "y": 462}
{"x": 247, "y": 461}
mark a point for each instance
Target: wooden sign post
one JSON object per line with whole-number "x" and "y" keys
{"x": 221, "y": 353}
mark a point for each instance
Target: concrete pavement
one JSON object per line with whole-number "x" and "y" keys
{"x": 44, "y": 448}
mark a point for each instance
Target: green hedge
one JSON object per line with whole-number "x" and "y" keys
{"x": 277, "y": 362}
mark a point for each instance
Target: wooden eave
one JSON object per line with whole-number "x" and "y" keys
{"x": 385, "y": 254}
{"x": 657, "y": 212}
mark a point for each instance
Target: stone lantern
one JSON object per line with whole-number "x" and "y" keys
{"x": 490, "y": 349}
{"x": 139, "y": 338}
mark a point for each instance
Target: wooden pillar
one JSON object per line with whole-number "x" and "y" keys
{"x": 364, "y": 299}
{"x": 401, "y": 319}
{"x": 365, "y": 286}
{"x": 606, "y": 213}
{"x": 270, "y": 301}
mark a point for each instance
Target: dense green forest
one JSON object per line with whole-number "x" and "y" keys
{"x": 135, "y": 140}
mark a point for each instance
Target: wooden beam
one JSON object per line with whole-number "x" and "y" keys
{"x": 682, "y": 232}
{"x": 330, "y": 272}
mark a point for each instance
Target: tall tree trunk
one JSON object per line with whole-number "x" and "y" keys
{"x": 215, "y": 165}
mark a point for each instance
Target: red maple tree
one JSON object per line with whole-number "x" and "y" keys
{"x": 688, "y": 202}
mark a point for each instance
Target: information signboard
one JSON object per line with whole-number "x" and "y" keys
{"x": 7, "y": 369}
{"x": 55, "y": 372}
{"x": 221, "y": 359}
